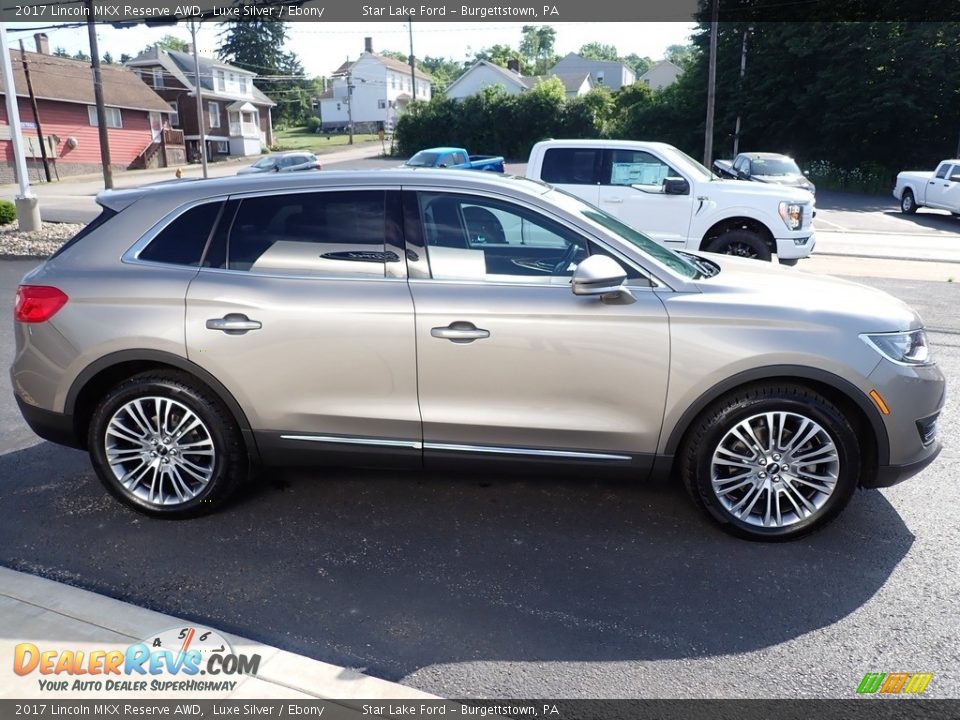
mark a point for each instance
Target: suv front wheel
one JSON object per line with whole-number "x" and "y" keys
{"x": 164, "y": 444}
{"x": 771, "y": 462}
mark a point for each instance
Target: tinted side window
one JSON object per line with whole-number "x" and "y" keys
{"x": 183, "y": 240}
{"x": 942, "y": 170}
{"x": 328, "y": 234}
{"x": 570, "y": 166}
{"x": 459, "y": 159}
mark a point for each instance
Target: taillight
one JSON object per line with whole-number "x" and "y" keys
{"x": 38, "y": 303}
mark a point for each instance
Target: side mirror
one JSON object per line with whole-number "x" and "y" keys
{"x": 442, "y": 165}
{"x": 743, "y": 175}
{"x": 598, "y": 275}
{"x": 676, "y": 186}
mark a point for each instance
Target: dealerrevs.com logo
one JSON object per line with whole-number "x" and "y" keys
{"x": 189, "y": 659}
{"x": 894, "y": 683}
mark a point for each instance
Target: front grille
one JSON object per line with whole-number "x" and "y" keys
{"x": 927, "y": 427}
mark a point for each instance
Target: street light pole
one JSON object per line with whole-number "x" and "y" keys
{"x": 711, "y": 86}
{"x": 196, "y": 70}
{"x": 743, "y": 68}
{"x": 98, "y": 98}
{"x": 28, "y": 212}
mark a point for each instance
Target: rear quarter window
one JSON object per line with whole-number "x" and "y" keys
{"x": 183, "y": 240}
{"x": 570, "y": 166}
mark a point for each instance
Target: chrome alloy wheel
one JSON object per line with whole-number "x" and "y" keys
{"x": 775, "y": 469}
{"x": 159, "y": 451}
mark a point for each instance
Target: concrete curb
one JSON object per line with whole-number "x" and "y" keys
{"x": 62, "y": 617}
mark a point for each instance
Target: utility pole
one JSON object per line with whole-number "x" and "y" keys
{"x": 98, "y": 98}
{"x": 350, "y": 102}
{"x": 36, "y": 114}
{"x": 196, "y": 69}
{"x": 413, "y": 61}
{"x": 28, "y": 210}
{"x": 743, "y": 69}
{"x": 711, "y": 85}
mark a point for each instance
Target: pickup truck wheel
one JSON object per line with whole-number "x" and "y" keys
{"x": 741, "y": 243}
{"x": 908, "y": 205}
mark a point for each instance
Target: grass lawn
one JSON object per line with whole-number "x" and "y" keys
{"x": 299, "y": 138}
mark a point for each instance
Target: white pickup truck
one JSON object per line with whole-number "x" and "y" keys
{"x": 939, "y": 189}
{"x": 672, "y": 198}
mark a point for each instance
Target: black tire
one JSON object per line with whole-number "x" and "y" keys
{"x": 228, "y": 467}
{"x": 714, "y": 424}
{"x": 908, "y": 204}
{"x": 741, "y": 243}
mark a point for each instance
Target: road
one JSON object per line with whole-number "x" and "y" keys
{"x": 522, "y": 586}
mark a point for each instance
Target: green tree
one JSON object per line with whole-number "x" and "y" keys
{"x": 169, "y": 42}
{"x": 598, "y": 51}
{"x": 257, "y": 46}
{"x": 638, "y": 64}
{"x": 536, "y": 46}
{"x": 81, "y": 55}
{"x": 681, "y": 55}
{"x": 61, "y": 52}
{"x": 501, "y": 55}
{"x": 107, "y": 58}
{"x": 125, "y": 58}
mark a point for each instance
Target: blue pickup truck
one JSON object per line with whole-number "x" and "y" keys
{"x": 455, "y": 158}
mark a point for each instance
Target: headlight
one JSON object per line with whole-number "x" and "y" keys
{"x": 792, "y": 214}
{"x": 902, "y": 348}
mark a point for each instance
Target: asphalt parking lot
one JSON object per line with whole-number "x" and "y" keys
{"x": 513, "y": 586}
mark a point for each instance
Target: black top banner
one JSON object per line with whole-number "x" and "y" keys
{"x": 160, "y": 12}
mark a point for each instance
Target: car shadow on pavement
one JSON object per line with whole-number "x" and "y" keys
{"x": 395, "y": 571}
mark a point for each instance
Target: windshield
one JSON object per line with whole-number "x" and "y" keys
{"x": 665, "y": 256}
{"x": 423, "y": 159}
{"x": 265, "y": 162}
{"x": 696, "y": 166}
{"x": 774, "y": 166}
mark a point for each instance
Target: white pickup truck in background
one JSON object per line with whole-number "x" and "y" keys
{"x": 670, "y": 197}
{"x": 939, "y": 189}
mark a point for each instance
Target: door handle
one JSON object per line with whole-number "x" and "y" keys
{"x": 613, "y": 200}
{"x": 460, "y": 332}
{"x": 234, "y": 324}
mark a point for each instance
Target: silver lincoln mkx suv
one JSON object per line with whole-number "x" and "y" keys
{"x": 199, "y": 328}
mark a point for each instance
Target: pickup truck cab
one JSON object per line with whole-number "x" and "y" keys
{"x": 455, "y": 158}
{"x": 764, "y": 167}
{"x": 673, "y": 199}
{"x": 939, "y": 189}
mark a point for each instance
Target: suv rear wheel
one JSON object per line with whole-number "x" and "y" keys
{"x": 164, "y": 444}
{"x": 771, "y": 462}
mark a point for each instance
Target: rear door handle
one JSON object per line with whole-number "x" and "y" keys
{"x": 234, "y": 324}
{"x": 460, "y": 332}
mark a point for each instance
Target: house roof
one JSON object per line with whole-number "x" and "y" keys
{"x": 660, "y": 65}
{"x": 599, "y": 64}
{"x": 181, "y": 66}
{"x": 68, "y": 80}
{"x": 571, "y": 81}
{"x": 387, "y": 61}
{"x": 507, "y": 74}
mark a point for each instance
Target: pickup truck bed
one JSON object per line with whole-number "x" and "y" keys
{"x": 939, "y": 189}
{"x": 455, "y": 159}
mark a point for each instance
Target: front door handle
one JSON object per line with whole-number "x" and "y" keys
{"x": 460, "y": 332}
{"x": 233, "y": 324}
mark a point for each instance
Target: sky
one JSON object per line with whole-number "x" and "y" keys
{"x": 323, "y": 46}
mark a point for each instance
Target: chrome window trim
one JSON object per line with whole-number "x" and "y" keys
{"x": 662, "y": 276}
{"x": 284, "y": 276}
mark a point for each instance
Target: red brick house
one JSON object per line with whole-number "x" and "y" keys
{"x": 236, "y": 114}
{"x": 66, "y": 106}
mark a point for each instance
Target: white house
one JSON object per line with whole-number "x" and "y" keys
{"x": 381, "y": 89}
{"x": 487, "y": 74}
{"x": 661, "y": 75}
{"x": 602, "y": 72}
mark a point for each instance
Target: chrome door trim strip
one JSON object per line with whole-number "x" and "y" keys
{"x": 525, "y": 451}
{"x": 412, "y": 444}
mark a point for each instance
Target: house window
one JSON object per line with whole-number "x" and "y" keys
{"x": 114, "y": 120}
{"x": 175, "y": 118}
{"x": 221, "y": 81}
{"x": 158, "y": 78}
{"x": 382, "y": 104}
{"x": 213, "y": 112}
{"x": 600, "y": 77}
{"x": 223, "y": 147}
{"x": 244, "y": 87}
{"x": 393, "y": 81}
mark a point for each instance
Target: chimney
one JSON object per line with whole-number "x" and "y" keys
{"x": 514, "y": 65}
{"x": 368, "y": 45}
{"x": 43, "y": 44}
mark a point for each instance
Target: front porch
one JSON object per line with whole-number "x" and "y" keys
{"x": 246, "y": 138}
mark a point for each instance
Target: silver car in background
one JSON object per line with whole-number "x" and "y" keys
{"x": 415, "y": 318}
{"x": 283, "y": 162}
